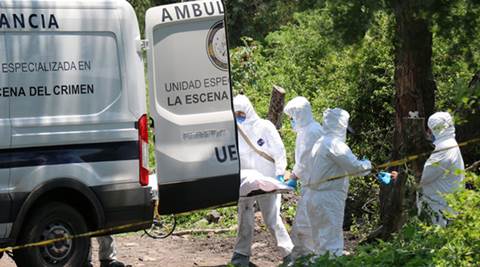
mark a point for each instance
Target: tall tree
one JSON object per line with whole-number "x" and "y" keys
{"x": 415, "y": 92}
{"x": 414, "y": 80}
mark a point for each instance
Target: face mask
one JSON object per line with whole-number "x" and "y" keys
{"x": 292, "y": 122}
{"x": 430, "y": 135}
{"x": 240, "y": 119}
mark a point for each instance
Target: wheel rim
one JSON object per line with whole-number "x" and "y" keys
{"x": 60, "y": 250}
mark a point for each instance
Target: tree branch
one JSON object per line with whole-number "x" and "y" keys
{"x": 473, "y": 166}
{"x": 204, "y": 231}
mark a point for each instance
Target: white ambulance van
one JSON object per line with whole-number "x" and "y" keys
{"x": 73, "y": 124}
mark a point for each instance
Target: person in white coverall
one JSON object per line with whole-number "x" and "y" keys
{"x": 330, "y": 157}
{"x": 264, "y": 136}
{"x": 443, "y": 172}
{"x": 308, "y": 132}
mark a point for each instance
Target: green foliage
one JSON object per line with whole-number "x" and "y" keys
{"x": 141, "y": 7}
{"x": 305, "y": 59}
{"x": 341, "y": 54}
{"x": 196, "y": 220}
{"x": 456, "y": 58}
{"x": 257, "y": 18}
{"x": 421, "y": 244}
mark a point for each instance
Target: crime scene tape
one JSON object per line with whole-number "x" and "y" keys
{"x": 126, "y": 226}
{"x": 70, "y": 237}
{"x": 395, "y": 163}
{"x": 157, "y": 225}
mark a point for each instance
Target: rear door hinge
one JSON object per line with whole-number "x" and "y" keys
{"x": 142, "y": 45}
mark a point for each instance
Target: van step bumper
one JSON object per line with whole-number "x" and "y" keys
{"x": 125, "y": 204}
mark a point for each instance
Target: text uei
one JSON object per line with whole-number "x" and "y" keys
{"x": 225, "y": 153}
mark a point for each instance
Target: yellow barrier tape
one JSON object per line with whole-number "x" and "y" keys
{"x": 396, "y": 163}
{"x": 157, "y": 215}
{"x": 68, "y": 237}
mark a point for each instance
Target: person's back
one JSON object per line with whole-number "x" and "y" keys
{"x": 323, "y": 153}
{"x": 449, "y": 162}
{"x": 332, "y": 159}
{"x": 443, "y": 171}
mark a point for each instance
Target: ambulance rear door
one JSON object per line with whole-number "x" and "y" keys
{"x": 191, "y": 104}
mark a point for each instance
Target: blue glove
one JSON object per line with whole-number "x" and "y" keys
{"x": 280, "y": 178}
{"x": 292, "y": 183}
{"x": 384, "y": 177}
{"x": 240, "y": 119}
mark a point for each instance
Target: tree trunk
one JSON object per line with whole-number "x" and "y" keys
{"x": 415, "y": 92}
{"x": 277, "y": 102}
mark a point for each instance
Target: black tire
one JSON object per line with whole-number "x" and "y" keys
{"x": 52, "y": 220}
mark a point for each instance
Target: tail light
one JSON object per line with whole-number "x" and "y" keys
{"x": 143, "y": 149}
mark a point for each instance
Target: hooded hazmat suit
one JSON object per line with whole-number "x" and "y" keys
{"x": 308, "y": 132}
{"x": 330, "y": 157}
{"x": 264, "y": 136}
{"x": 443, "y": 171}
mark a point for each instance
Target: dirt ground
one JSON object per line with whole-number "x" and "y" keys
{"x": 212, "y": 250}
{"x": 184, "y": 251}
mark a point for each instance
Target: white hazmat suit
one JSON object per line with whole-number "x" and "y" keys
{"x": 264, "y": 136}
{"x": 331, "y": 157}
{"x": 308, "y": 132}
{"x": 443, "y": 171}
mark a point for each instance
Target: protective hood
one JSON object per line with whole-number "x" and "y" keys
{"x": 441, "y": 125}
{"x": 335, "y": 123}
{"x": 300, "y": 110}
{"x": 243, "y": 104}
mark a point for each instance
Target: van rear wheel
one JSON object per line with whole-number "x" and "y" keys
{"x": 50, "y": 221}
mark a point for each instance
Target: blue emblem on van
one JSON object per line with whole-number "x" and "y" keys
{"x": 260, "y": 142}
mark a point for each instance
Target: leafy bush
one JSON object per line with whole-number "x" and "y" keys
{"x": 422, "y": 244}
{"x": 305, "y": 58}
{"x": 228, "y": 218}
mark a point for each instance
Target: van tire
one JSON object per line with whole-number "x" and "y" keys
{"x": 53, "y": 219}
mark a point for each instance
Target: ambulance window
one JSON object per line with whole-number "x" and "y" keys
{"x": 208, "y": 90}
{"x": 58, "y": 74}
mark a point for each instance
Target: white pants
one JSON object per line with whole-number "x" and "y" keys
{"x": 302, "y": 230}
{"x": 106, "y": 249}
{"x": 438, "y": 206}
{"x": 270, "y": 207}
{"x": 325, "y": 211}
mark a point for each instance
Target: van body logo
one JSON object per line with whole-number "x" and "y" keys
{"x": 260, "y": 142}
{"x": 217, "y": 46}
{"x": 23, "y": 21}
